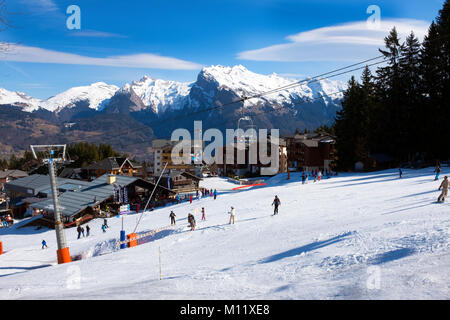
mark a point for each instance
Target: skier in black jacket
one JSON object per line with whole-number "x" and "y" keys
{"x": 172, "y": 218}
{"x": 276, "y": 202}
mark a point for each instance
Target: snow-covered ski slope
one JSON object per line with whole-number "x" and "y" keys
{"x": 356, "y": 236}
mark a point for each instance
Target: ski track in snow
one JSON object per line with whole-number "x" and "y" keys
{"x": 326, "y": 241}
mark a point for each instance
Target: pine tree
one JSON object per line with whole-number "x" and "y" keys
{"x": 431, "y": 71}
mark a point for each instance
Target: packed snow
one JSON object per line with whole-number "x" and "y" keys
{"x": 354, "y": 236}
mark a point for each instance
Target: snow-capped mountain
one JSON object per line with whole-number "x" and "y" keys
{"x": 153, "y": 101}
{"x": 246, "y": 83}
{"x": 97, "y": 94}
{"x": 160, "y": 94}
{"x": 19, "y": 99}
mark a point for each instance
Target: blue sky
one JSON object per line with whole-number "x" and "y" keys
{"x": 120, "y": 41}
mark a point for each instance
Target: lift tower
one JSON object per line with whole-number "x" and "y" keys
{"x": 51, "y": 155}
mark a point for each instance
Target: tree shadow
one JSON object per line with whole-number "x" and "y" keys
{"x": 406, "y": 209}
{"x": 306, "y": 248}
{"x": 22, "y": 268}
{"x": 391, "y": 256}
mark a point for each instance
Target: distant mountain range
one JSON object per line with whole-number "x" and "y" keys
{"x": 149, "y": 108}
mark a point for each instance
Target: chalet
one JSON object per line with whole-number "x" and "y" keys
{"x": 80, "y": 199}
{"x": 9, "y": 175}
{"x": 181, "y": 182}
{"x": 314, "y": 151}
{"x": 112, "y": 165}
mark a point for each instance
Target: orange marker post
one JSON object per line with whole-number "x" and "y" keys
{"x": 63, "y": 255}
{"x": 132, "y": 243}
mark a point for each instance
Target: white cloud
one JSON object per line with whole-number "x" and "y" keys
{"x": 42, "y": 6}
{"x": 95, "y": 34}
{"x": 22, "y": 53}
{"x": 346, "y": 42}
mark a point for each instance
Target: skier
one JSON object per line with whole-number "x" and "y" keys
{"x": 79, "y": 231}
{"x": 103, "y": 228}
{"x": 172, "y": 218}
{"x": 319, "y": 174}
{"x": 105, "y": 223}
{"x": 232, "y": 214}
{"x": 203, "y": 214}
{"x": 276, "y": 202}
{"x": 400, "y": 172}
{"x": 444, "y": 187}
{"x": 82, "y": 231}
{"x": 87, "y": 230}
{"x": 215, "y": 194}
{"x": 438, "y": 172}
{"x": 191, "y": 221}
{"x": 303, "y": 177}
{"x": 44, "y": 244}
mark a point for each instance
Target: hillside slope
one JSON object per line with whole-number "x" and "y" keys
{"x": 356, "y": 236}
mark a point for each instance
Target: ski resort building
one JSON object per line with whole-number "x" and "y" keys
{"x": 181, "y": 182}
{"x": 82, "y": 200}
{"x": 162, "y": 149}
{"x": 311, "y": 151}
{"x": 232, "y": 166}
{"x": 9, "y": 175}
{"x": 113, "y": 165}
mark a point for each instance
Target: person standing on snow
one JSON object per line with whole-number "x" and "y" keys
{"x": 203, "y": 214}
{"x": 79, "y": 231}
{"x": 438, "y": 172}
{"x": 105, "y": 223}
{"x": 191, "y": 220}
{"x": 87, "y": 230}
{"x": 215, "y": 194}
{"x": 232, "y": 215}
{"x": 172, "y": 218}
{"x": 44, "y": 244}
{"x": 103, "y": 228}
{"x": 400, "y": 172}
{"x": 444, "y": 187}
{"x": 319, "y": 174}
{"x": 276, "y": 202}
{"x": 303, "y": 177}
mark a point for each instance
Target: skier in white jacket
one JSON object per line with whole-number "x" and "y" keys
{"x": 232, "y": 214}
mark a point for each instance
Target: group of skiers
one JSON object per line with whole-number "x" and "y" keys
{"x": 316, "y": 175}
{"x": 80, "y": 231}
{"x": 198, "y": 195}
{"x": 191, "y": 219}
{"x": 444, "y": 185}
